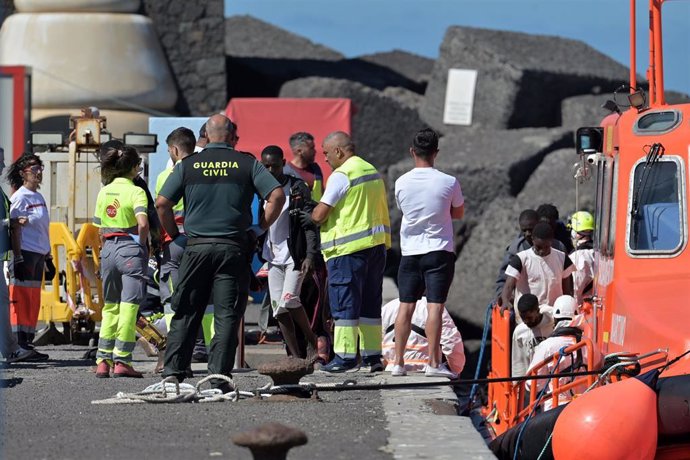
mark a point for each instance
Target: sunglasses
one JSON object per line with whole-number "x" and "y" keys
{"x": 35, "y": 169}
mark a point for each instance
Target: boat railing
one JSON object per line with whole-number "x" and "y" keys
{"x": 557, "y": 387}
{"x": 502, "y": 408}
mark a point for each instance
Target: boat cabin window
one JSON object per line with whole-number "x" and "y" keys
{"x": 656, "y": 208}
{"x": 607, "y": 182}
{"x": 657, "y": 122}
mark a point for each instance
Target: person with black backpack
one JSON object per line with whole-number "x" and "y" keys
{"x": 291, "y": 251}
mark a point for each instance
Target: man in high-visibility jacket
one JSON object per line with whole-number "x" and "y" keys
{"x": 355, "y": 233}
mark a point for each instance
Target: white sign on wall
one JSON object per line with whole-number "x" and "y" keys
{"x": 459, "y": 97}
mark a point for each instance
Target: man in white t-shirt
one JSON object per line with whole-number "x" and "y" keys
{"x": 429, "y": 201}
{"x": 287, "y": 269}
{"x": 539, "y": 270}
{"x": 536, "y": 326}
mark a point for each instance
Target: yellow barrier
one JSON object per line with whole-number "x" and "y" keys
{"x": 53, "y": 307}
{"x": 91, "y": 266}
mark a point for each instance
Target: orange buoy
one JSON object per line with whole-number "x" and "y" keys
{"x": 616, "y": 421}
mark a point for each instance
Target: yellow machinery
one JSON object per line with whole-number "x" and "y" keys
{"x": 55, "y": 308}
{"x": 74, "y": 297}
{"x": 92, "y": 288}
{"x": 58, "y": 305}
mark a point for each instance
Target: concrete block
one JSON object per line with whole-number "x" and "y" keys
{"x": 262, "y": 57}
{"x": 413, "y": 66}
{"x": 522, "y": 78}
{"x": 382, "y": 127}
{"x": 553, "y": 183}
{"x": 478, "y": 264}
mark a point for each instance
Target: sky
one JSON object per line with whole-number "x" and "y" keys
{"x": 356, "y": 27}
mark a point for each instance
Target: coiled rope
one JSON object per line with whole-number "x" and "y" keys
{"x": 169, "y": 390}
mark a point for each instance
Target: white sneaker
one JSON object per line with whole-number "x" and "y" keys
{"x": 398, "y": 371}
{"x": 440, "y": 371}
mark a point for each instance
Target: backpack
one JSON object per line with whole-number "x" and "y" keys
{"x": 298, "y": 241}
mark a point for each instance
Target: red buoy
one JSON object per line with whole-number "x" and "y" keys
{"x": 617, "y": 421}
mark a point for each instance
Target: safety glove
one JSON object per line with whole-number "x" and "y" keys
{"x": 307, "y": 265}
{"x": 306, "y": 220}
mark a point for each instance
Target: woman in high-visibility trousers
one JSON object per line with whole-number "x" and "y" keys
{"x": 124, "y": 229}
{"x": 30, "y": 225}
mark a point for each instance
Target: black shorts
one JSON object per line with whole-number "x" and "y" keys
{"x": 432, "y": 272}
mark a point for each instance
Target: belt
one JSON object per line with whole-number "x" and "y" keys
{"x": 112, "y": 236}
{"x": 219, "y": 240}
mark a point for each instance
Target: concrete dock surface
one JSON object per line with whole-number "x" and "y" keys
{"x": 47, "y": 413}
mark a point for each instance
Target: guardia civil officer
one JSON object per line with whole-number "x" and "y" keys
{"x": 124, "y": 229}
{"x": 218, "y": 185}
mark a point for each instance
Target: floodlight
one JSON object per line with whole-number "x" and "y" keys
{"x": 50, "y": 139}
{"x": 637, "y": 99}
{"x": 143, "y": 142}
{"x": 589, "y": 140}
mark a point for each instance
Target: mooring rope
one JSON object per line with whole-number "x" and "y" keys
{"x": 169, "y": 390}
{"x": 182, "y": 392}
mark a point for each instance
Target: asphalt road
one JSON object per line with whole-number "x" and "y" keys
{"x": 47, "y": 414}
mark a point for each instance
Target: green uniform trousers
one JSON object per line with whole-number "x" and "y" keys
{"x": 206, "y": 267}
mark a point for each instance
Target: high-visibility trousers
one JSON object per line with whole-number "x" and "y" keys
{"x": 25, "y": 295}
{"x": 123, "y": 270}
{"x": 355, "y": 294}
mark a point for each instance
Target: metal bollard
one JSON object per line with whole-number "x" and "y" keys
{"x": 270, "y": 441}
